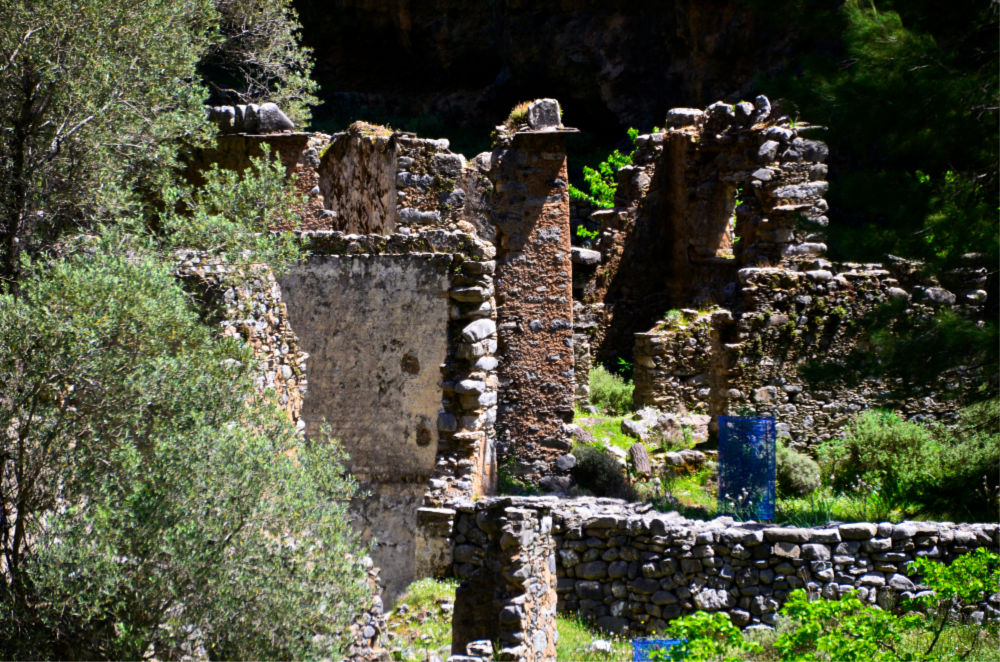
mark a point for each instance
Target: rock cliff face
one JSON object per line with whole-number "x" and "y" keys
{"x": 611, "y": 62}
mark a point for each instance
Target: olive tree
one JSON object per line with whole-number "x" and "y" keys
{"x": 152, "y": 500}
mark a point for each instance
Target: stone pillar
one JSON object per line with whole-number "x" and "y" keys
{"x": 534, "y": 291}
{"x": 505, "y": 556}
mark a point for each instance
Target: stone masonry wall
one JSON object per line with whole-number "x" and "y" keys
{"x": 717, "y": 190}
{"x": 530, "y": 210}
{"x": 251, "y": 307}
{"x": 506, "y": 559}
{"x": 375, "y": 181}
{"x": 400, "y": 332}
{"x": 624, "y": 566}
{"x": 786, "y": 349}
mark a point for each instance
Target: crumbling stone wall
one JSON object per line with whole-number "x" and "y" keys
{"x": 530, "y": 210}
{"x": 374, "y": 181}
{"x": 506, "y": 559}
{"x": 249, "y": 305}
{"x": 717, "y": 190}
{"x": 400, "y": 333}
{"x": 787, "y": 347}
{"x": 623, "y": 565}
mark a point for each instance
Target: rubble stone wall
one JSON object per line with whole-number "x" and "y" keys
{"x": 507, "y": 564}
{"x": 530, "y": 210}
{"x": 624, "y": 566}
{"x": 788, "y": 348}
{"x": 375, "y": 181}
{"x": 250, "y": 306}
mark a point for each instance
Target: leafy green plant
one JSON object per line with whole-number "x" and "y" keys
{"x": 797, "y": 473}
{"x": 706, "y": 636}
{"x": 161, "y": 501}
{"x": 230, "y": 214}
{"x": 920, "y": 468}
{"x": 851, "y": 629}
{"x": 609, "y": 392}
{"x": 601, "y": 182}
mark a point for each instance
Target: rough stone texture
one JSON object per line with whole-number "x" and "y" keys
{"x": 505, "y": 558}
{"x": 400, "y": 332}
{"x": 357, "y": 177}
{"x": 783, "y": 323}
{"x": 530, "y": 210}
{"x": 251, "y": 307}
{"x": 623, "y": 566}
{"x": 670, "y": 241}
{"x": 377, "y": 181}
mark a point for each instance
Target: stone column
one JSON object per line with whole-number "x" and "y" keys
{"x": 534, "y": 291}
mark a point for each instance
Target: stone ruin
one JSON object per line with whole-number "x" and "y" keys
{"x": 445, "y": 323}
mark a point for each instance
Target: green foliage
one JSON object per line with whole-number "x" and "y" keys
{"x": 850, "y": 629}
{"x": 602, "y": 181}
{"x": 599, "y": 473}
{"x": 706, "y": 636}
{"x": 967, "y": 580}
{"x": 904, "y": 73}
{"x": 230, "y": 215}
{"x": 260, "y": 57}
{"x": 928, "y": 469}
{"x": 609, "y": 392}
{"x": 97, "y": 94}
{"x": 420, "y": 623}
{"x": 844, "y": 629}
{"x": 797, "y": 473}
{"x": 161, "y": 503}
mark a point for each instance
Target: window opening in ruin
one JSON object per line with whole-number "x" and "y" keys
{"x": 730, "y": 236}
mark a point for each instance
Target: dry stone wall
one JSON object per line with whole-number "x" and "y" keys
{"x": 788, "y": 347}
{"x": 624, "y": 566}
{"x": 506, "y": 559}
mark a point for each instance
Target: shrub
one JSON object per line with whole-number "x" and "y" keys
{"x": 930, "y": 469}
{"x": 609, "y": 392}
{"x": 797, "y": 473}
{"x": 599, "y": 473}
{"x": 162, "y": 503}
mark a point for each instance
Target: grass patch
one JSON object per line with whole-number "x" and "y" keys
{"x": 606, "y": 430}
{"x": 420, "y": 624}
{"x": 576, "y": 635}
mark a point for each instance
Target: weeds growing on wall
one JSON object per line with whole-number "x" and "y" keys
{"x": 602, "y": 181}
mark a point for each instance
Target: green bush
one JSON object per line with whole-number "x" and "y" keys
{"x": 599, "y": 473}
{"x": 850, "y": 629}
{"x": 797, "y": 473}
{"x": 162, "y": 503}
{"x": 928, "y": 469}
{"x": 609, "y": 392}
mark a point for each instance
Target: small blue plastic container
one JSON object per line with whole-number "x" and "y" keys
{"x": 641, "y": 648}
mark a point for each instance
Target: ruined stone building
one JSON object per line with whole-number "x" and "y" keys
{"x": 444, "y": 321}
